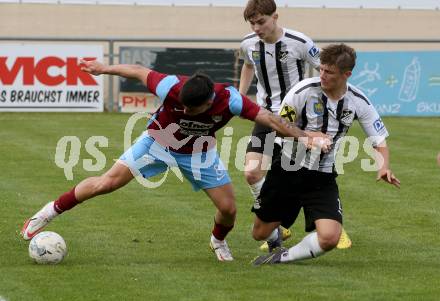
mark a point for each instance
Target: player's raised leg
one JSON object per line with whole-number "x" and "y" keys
{"x": 116, "y": 177}
{"x": 224, "y": 200}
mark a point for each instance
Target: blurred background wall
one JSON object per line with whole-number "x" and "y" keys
{"x": 324, "y": 25}
{"x": 63, "y": 20}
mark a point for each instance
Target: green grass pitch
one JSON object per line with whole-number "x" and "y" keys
{"x": 152, "y": 244}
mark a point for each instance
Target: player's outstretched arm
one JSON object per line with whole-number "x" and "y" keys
{"x": 128, "y": 71}
{"x": 384, "y": 172}
{"x": 287, "y": 129}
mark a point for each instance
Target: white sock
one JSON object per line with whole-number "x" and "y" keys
{"x": 273, "y": 236}
{"x": 215, "y": 240}
{"x": 256, "y": 188}
{"x": 308, "y": 248}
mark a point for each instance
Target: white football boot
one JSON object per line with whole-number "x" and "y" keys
{"x": 37, "y": 222}
{"x": 221, "y": 249}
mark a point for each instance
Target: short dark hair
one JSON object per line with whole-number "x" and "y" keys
{"x": 259, "y": 7}
{"x": 198, "y": 89}
{"x": 339, "y": 55}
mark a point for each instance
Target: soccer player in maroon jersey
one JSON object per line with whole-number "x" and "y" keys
{"x": 182, "y": 134}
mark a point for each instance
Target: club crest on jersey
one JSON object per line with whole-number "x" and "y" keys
{"x": 347, "y": 117}
{"x": 217, "y": 118}
{"x": 283, "y": 56}
{"x": 313, "y": 51}
{"x": 318, "y": 107}
{"x": 256, "y": 57}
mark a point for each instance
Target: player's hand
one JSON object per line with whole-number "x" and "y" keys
{"x": 93, "y": 67}
{"x": 318, "y": 140}
{"x": 388, "y": 176}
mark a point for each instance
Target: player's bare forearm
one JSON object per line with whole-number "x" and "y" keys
{"x": 128, "y": 71}
{"x": 288, "y": 130}
{"x": 279, "y": 124}
{"x": 246, "y": 77}
{"x": 385, "y": 173}
{"x": 383, "y": 155}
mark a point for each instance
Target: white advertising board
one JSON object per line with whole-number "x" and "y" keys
{"x": 45, "y": 78}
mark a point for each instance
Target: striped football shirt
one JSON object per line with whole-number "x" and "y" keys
{"x": 279, "y": 66}
{"x": 310, "y": 109}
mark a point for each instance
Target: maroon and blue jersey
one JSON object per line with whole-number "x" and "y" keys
{"x": 228, "y": 102}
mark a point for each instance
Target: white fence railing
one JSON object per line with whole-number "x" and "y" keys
{"x": 388, "y": 4}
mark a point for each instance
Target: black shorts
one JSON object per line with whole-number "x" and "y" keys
{"x": 284, "y": 193}
{"x": 262, "y": 140}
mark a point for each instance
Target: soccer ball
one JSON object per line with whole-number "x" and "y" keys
{"x": 47, "y": 248}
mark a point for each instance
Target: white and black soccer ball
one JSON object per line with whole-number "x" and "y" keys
{"x": 47, "y": 248}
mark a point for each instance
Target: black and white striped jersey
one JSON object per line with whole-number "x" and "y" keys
{"x": 310, "y": 109}
{"x": 279, "y": 66}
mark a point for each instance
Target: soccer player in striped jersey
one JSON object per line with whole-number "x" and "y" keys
{"x": 277, "y": 57}
{"x": 180, "y": 134}
{"x": 307, "y": 179}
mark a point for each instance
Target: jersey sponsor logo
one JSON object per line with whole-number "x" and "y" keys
{"x": 318, "y": 107}
{"x": 347, "y": 117}
{"x": 269, "y": 53}
{"x": 256, "y": 57}
{"x": 283, "y": 56}
{"x": 288, "y": 113}
{"x": 378, "y": 125}
{"x": 314, "y": 51}
{"x": 191, "y": 127}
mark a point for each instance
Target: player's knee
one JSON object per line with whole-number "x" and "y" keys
{"x": 260, "y": 233}
{"x": 252, "y": 176}
{"x": 231, "y": 211}
{"x": 328, "y": 241}
{"x": 228, "y": 209}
